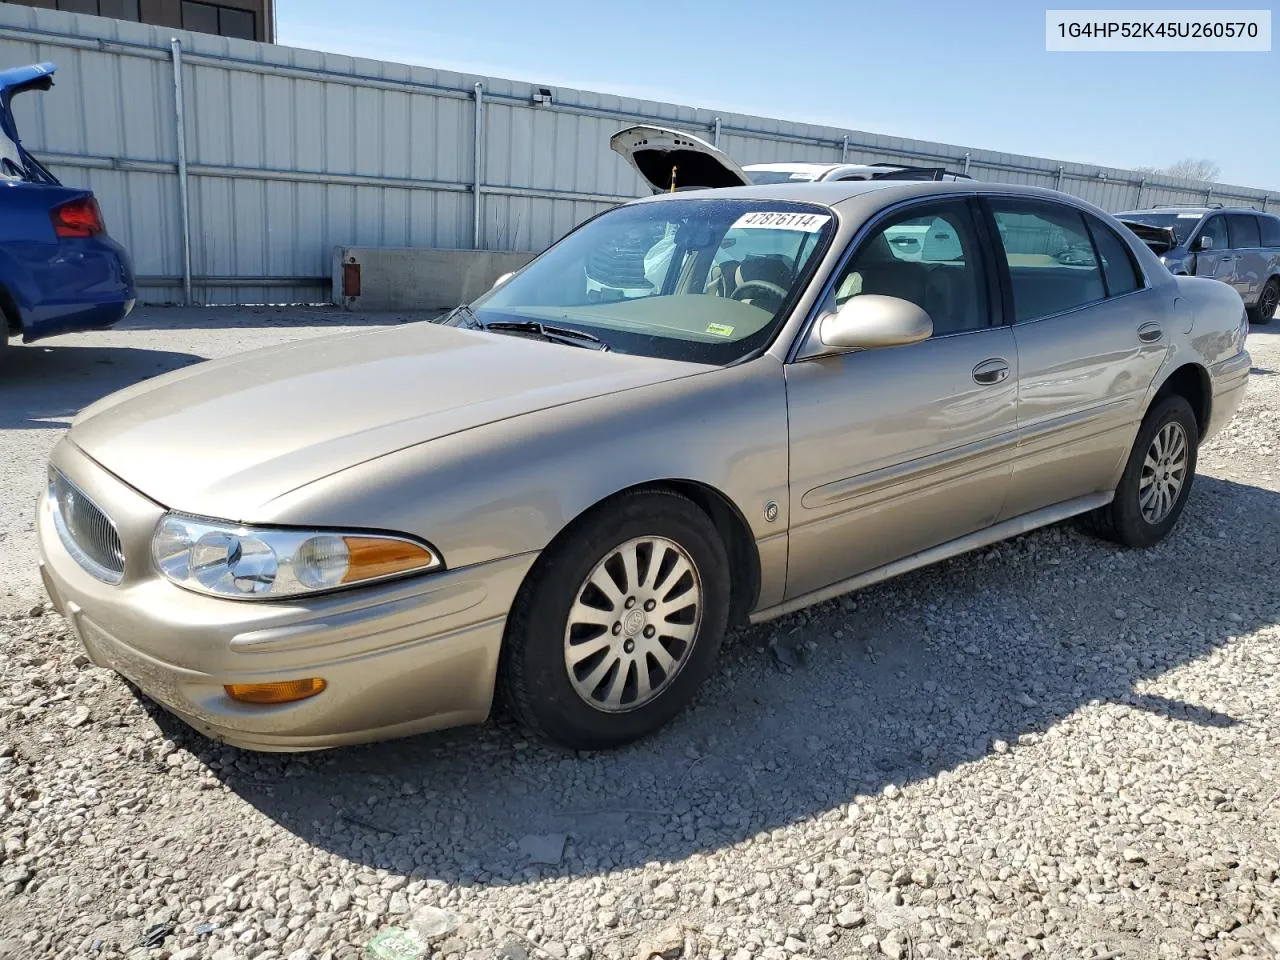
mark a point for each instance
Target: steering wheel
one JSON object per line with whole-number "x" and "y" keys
{"x": 763, "y": 286}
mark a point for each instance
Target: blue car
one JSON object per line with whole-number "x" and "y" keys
{"x": 59, "y": 271}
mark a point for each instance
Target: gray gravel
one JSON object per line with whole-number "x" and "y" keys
{"x": 1048, "y": 748}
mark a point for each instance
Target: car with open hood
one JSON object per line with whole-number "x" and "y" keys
{"x": 670, "y": 160}
{"x": 59, "y": 270}
{"x": 1239, "y": 246}
{"x": 695, "y": 410}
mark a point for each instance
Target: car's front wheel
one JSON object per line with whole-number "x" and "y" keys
{"x": 619, "y": 623}
{"x": 1265, "y": 309}
{"x": 1157, "y": 478}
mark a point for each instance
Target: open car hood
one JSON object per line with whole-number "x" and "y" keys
{"x": 14, "y": 159}
{"x": 1159, "y": 239}
{"x": 675, "y": 160}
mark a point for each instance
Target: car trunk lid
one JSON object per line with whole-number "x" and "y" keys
{"x": 15, "y": 161}
{"x": 674, "y": 160}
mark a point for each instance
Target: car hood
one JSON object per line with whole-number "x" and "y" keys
{"x": 675, "y": 160}
{"x": 37, "y": 76}
{"x": 225, "y": 437}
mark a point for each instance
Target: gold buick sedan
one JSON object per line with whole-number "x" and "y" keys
{"x": 696, "y": 410}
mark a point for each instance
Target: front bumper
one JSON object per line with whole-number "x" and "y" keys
{"x": 398, "y": 658}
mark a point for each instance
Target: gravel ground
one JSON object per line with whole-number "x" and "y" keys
{"x": 1047, "y": 748}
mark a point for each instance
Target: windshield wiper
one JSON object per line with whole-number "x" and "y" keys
{"x": 463, "y": 316}
{"x": 566, "y": 335}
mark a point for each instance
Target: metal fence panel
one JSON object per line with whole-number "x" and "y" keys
{"x": 292, "y": 152}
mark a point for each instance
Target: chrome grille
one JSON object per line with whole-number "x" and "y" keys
{"x": 86, "y": 532}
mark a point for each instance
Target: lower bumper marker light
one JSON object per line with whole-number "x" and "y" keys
{"x": 284, "y": 691}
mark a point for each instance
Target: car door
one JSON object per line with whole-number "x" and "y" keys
{"x": 1212, "y": 247}
{"x": 1246, "y": 247}
{"x": 898, "y": 449}
{"x": 1090, "y": 334}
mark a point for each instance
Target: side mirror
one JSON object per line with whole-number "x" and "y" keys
{"x": 503, "y": 279}
{"x": 1204, "y": 242}
{"x": 869, "y": 320}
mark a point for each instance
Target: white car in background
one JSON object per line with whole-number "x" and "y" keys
{"x": 674, "y": 160}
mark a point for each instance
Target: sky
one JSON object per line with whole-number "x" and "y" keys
{"x": 974, "y": 74}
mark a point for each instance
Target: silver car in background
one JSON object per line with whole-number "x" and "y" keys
{"x": 1238, "y": 246}
{"x": 696, "y": 410}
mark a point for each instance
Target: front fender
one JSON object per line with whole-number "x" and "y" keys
{"x": 508, "y": 488}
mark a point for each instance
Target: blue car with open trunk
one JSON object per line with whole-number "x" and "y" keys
{"x": 59, "y": 270}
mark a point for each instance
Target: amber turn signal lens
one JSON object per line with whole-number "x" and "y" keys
{"x": 286, "y": 691}
{"x": 370, "y": 557}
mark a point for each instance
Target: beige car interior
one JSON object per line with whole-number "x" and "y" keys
{"x": 947, "y": 291}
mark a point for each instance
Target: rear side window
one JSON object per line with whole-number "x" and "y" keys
{"x": 1270, "y": 227}
{"x": 1244, "y": 231}
{"x": 1118, "y": 267}
{"x": 1052, "y": 266}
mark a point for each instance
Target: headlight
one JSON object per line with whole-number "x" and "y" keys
{"x": 229, "y": 560}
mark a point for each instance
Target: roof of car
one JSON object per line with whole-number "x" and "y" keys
{"x": 1201, "y": 211}
{"x": 793, "y": 167}
{"x": 832, "y": 192}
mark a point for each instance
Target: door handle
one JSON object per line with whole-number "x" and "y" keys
{"x": 1227, "y": 259}
{"x": 1150, "y": 332}
{"x": 991, "y": 371}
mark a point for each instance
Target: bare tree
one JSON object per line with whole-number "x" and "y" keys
{"x": 1190, "y": 168}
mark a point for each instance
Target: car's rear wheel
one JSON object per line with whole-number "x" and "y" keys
{"x": 1157, "y": 478}
{"x": 1264, "y": 310}
{"x": 619, "y": 623}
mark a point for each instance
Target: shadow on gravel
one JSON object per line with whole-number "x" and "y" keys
{"x": 45, "y": 386}
{"x": 928, "y": 673}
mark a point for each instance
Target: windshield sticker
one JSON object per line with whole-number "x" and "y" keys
{"x": 776, "y": 220}
{"x": 1190, "y": 216}
{"x": 720, "y": 329}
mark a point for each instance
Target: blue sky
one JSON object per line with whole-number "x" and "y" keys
{"x": 973, "y": 74}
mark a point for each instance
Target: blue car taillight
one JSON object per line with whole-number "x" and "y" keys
{"x": 80, "y": 217}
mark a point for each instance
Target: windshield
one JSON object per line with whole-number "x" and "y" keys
{"x": 707, "y": 281}
{"x": 1181, "y": 223}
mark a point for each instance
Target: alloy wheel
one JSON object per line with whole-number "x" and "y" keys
{"x": 1164, "y": 471}
{"x": 632, "y": 624}
{"x": 1267, "y": 303}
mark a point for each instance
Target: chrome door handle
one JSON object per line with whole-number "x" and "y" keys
{"x": 1150, "y": 332}
{"x": 991, "y": 371}
{"x": 1227, "y": 259}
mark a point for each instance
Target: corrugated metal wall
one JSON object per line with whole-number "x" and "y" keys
{"x": 293, "y": 152}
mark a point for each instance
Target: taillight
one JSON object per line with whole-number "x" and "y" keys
{"x": 77, "y": 218}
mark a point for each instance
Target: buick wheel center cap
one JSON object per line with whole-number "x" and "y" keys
{"x": 633, "y": 622}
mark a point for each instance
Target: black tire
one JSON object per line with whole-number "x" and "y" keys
{"x": 534, "y": 678}
{"x": 1265, "y": 310}
{"x": 1122, "y": 520}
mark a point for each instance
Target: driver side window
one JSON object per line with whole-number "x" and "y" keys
{"x": 1216, "y": 230}
{"x": 928, "y": 254}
